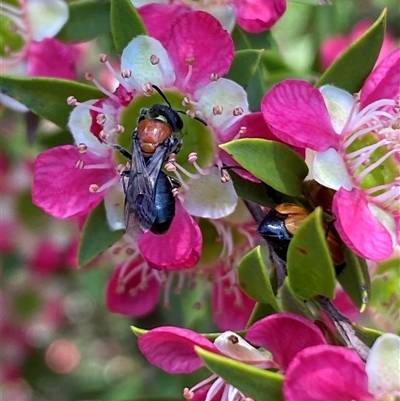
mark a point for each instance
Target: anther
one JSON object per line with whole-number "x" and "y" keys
{"x": 190, "y": 60}
{"x": 214, "y": 77}
{"x": 89, "y": 76}
{"x": 185, "y": 101}
{"x": 121, "y": 168}
{"x": 187, "y": 394}
{"x": 233, "y": 339}
{"x": 192, "y": 157}
{"x": 169, "y": 166}
{"x": 126, "y": 73}
{"x": 71, "y": 100}
{"x": 147, "y": 88}
{"x": 103, "y": 58}
{"x": 82, "y": 148}
{"x": 103, "y": 135}
{"x": 154, "y": 59}
{"x": 242, "y": 131}
{"x": 175, "y": 192}
{"x": 237, "y": 111}
{"x": 191, "y": 113}
{"x": 217, "y": 110}
{"x": 130, "y": 251}
{"x": 93, "y": 188}
{"x": 225, "y": 177}
{"x": 101, "y": 118}
{"x": 7, "y": 49}
{"x": 197, "y": 306}
{"x": 119, "y": 128}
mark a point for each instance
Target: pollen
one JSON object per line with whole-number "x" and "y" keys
{"x": 238, "y": 111}
{"x": 93, "y": 188}
{"x": 154, "y": 59}
{"x": 214, "y": 77}
{"x": 217, "y": 110}
{"x": 82, "y": 148}
{"x": 190, "y": 60}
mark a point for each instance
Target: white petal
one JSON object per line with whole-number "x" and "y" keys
{"x": 209, "y": 197}
{"x": 225, "y": 93}
{"x": 383, "y": 366}
{"x": 386, "y": 219}
{"x": 136, "y": 57}
{"x": 140, "y": 3}
{"x": 234, "y": 346}
{"x": 114, "y": 202}
{"x": 339, "y": 104}
{"x": 329, "y": 170}
{"x": 46, "y": 17}
{"x": 222, "y": 12}
{"x": 12, "y": 104}
{"x": 79, "y": 124}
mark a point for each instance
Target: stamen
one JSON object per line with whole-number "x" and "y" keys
{"x": 189, "y": 61}
{"x": 217, "y": 110}
{"x": 89, "y": 76}
{"x": 93, "y": 188}
{"x": 71, "y": 101}
{"x": 147, "y": 88}
{"x": 82, "y": 148}
{"x": 237, "y": 111}
{"x": 189, "y": 393}
{"x": 154, "y": 59}
{"x": 214, "y": 77}
{"x": 119, "y": 77}
{"x": 101, "y": 118}
{"x": 79, "y": 164}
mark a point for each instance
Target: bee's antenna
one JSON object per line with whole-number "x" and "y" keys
{"x": 162, "y": 95}
{"x": 194, "y": 118}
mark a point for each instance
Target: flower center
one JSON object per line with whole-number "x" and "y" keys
{"x": 371, "y": 150}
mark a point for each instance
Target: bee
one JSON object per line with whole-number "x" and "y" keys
{"x": 149, "y": 192}
{"x": 279, "y": 225}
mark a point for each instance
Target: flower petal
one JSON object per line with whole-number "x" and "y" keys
{"x": 209, "y": 197}
{"x": 383, "y": 366}
{"x": 226, "y": 94}
{"x": 114, "y": 203}
{"x": 296, "y": 113}
{"x": 61, "y": 189}
{"x": 62, "y": 56}
{"x": 130, "y": 291}
{"x": 46, "y": 17}
{"x": 199, "y": 46}
{"x": 326, "y": 372}
{"x": 172, "y": 348}
{"x": 329, "y": 170}
{"x": 257, "y": 16}
{"x": 284, "y": 335}
{"x": 383, "y": 82}
{"x": 358, "y": 227}
{"x": 136, "y": 57}
{"x": 179, "y": 248}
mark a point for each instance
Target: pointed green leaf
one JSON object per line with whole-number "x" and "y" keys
{"x": 125, "y": 23}
{"x": 47, "y": 97}
{"x": 350, "y": 70}
{"x": 259, "y": 384}
{"x": 271, "y": 162}
{"x": 254, "y": 278}
{"x": 87, "y": 20}
{"x": 246, "y": 40}
{"x": 137, "y": 331}
{"x": 366, "y": 334}
{"x": 244, "y": 66}
{"x": 96, "y": 236}
{"x": 291, "y": 302}
{"x": 309, "y": 263}
{"x": 355, "y": 278}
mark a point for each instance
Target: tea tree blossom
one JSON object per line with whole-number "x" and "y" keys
{"x": 252, "y": 16}
{"x": 29, "y": 42}
{"x": 282, "y": 334}
{"x": 337, "y": 373}
{"x": 356, "y": 140}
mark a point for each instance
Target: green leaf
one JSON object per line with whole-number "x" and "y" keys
{"x": 259, "y": 384}
{"x": 125, "y": 23}
{"x": 245, "y": 40}
{"x": 260, "y": 311}
{"x": 366, "y": 334}
{"x": 87, "y": 20}
{"x": 254, "y": 278}
{"x": 47, "y": 97}
{"x": 291, "y": 302}
{"x": 271, "y": 162}
{"x": 312, "y": 2}
{"x": 244, "y": 66}
{"x": 355, "y": 278}
{"x": 138, "y": 331}
{"x": 96, "y": 236}
{"x": 309, "y": 263}
{"x": 350, "y": 70}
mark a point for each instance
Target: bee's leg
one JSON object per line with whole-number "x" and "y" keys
{"x": 174, "y": 182}
{"x": 123, "y": 151}
{"x": 143, "y": 114}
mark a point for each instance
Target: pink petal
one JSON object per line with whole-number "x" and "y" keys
{"x": 52, "y": 58}
{"x": 47, "y": 258}
{"x": 296, "y": 113}
{"x": 284, "y": 335}
{"x": 130, "y": 292}
{"x": 326, "y": 372}
{"x": 179, "y": 248}
{"x": 358, "y": 227}
{"x": 153, "y": 13}
{"x": 257, "y": 16}
{"x": 61, "y": 189}
{"x": 172, "y": 348}
{"x": 231, "y": 306}
{"x": 383, "y": 82}
{"x": 200, "y": 37}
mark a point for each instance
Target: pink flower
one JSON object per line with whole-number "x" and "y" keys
{"x": 32, "y": 27}
{"x": 337, "y": 373}
{"x": 282, "y": 334}
{"x": 334, "y": 46}
{"x": 251, "y": 15}
{"x": 356, "y": 141}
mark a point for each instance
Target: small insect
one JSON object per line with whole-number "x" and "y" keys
{"x": 280, "y": 223}
{"x": 149, "y": 192}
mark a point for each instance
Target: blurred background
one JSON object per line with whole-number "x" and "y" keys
{"x": 59, "y": 340}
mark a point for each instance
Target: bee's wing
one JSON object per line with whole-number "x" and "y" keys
{"x": 140, "y": 189}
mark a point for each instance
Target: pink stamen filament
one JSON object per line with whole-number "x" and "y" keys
{"x": 167, "y": 290}
{"x": 376, "y": 164}
{"x": 181, "y": 180}
{"x": 118, "y": 77}
{"x": 96, "y": 166}
{"x": 140, "y": 268}
{"x": 107, "y": 185}
{"x": 187, "y": 173}
{"x": 390, "y": 198}
{"x": 376, "y": 105}
{"x": 188, "y": 75}
{"x": 357, "y": 134}
{"x": 88, "y": 106}
{"x": 201, "y": 384}
{"x": 370, "y": 149}
{"x": 215, "y": 387}
{"x": 10, "y": 8}
{"x": 104, "y": 90}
